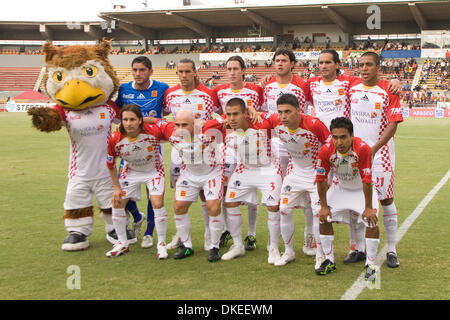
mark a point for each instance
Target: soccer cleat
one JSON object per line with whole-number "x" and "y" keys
{"x": 285, "y": 259}
{"x": 137, "y": 225}
{"x": 371, "y": 273}
{"x": 207, "y": 244}
{"x": 224, "y": 238}
{"x": 274, "y": 255}
{"x": 355, "y": 256}
{"x": 118, "y": 249}
{"x": 161, "y": 253}
{"x": 326, "y": 267}
{"x": 183, "y": 252}
{"x": 75, "y": 241}
{"x": 234, "y": 252}
{"x": 214, "y": 255}
{"x": 175, "y": 243}
{"x": 250, "y": 243}
{"x": 309, "y": 245}
{"x": 112, "y": 237}
{"x": 147, "y": 241}
{"x": 392, "y": 260}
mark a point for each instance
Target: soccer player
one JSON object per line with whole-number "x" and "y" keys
{"x": 201, "y": 170}
{"x": 252, "y": 95}
{"x": 350, "y": 160}
{"x": 138, "y": 144}
{"x": 329, "y": 95}
{"x": 303, "y": 136}
{"x": 191, "y": 95}
{"x": 375, "y": 113}
{"x": 257, "y": 169}
{"x": 148, "y": 94}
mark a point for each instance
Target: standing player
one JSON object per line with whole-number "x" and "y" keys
{"x": 375, "y": 113}
{"x": 201, "y": 170}
{"x": 191, "y": 95}
{"x": 350, "y": 160}
{"x": 138, "y": 144}
{"x": 303, "y": 136}
{"x": 148, "y": 94}
{"x": 329, "y": 95}
{"x": 252, "y": 95}
{"x": 257, "y": 169}
{"x": 286, "y": 82}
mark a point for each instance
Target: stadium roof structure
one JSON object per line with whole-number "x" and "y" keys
{"x": 397, "y": 17}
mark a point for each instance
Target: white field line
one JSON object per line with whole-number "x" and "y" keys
{"x": 358, "y": 286}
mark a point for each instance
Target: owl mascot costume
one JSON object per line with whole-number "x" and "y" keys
{"x": 82, "y": 81}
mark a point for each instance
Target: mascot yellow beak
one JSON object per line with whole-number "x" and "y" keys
{"x": 78, "y": 94}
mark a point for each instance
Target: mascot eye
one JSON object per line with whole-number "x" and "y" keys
{"x": 59, "y": 76}
{"x": 90, "y": 71}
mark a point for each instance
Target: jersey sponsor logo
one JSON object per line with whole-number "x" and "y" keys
{"x": 148, "y": 157}
{"x": 183, "y": 193}
{"x": 377, "y": 105}
{"x": 199, "y": 107}
{"x": 109, "y": 158}
{"x": 232, "y": 195}
{"x": 249, "y": 103}
{"x": 140, "y": 96}
{"x": 341, "y": 91}
{"x": 285, "y": 200}
{"x": 128, "y": 96}
{"x": 77, "y": 117}
{"x": 366, "y": 171}
{"x": 320, "y": 171}
{"x": 102, "y": 115}
{"x": 373, "y": 114}
{"x": 154, "y": 93}
{"x": 307, "y": 145}
{"x": 149, "y": 148}
{"x": 396, "y": 110}
{"x": 197, "y": 115}
{"x": 337, "y": 102}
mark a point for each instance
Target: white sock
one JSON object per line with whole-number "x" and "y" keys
{"x": 252, "y": 211}
{"x": 273, "y": 222}
{"x": 183, "y": 225}
{"x": 308, "y": 221}
{"x": 224, "y": 212}
{"x": 205, "y": 216}
{"x": 372, "y": 248}
{"x": 390, "y": 226}
{"x": 351, "y": 233}
{"x": 234, "y": 218}
{"x": 215, "y": 227}
{"x": 287, "y": 228}
{"x": 327, "y": 246}
{"x": 119, "y": 219}
{"x": 359, "y": 232}
{"x": 161, "y": 225}
{"x": 316, "y": 232}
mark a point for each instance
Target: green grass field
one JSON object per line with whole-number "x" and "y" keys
{"x": 33, "y": 170}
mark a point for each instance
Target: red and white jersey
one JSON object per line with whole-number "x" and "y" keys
{"x": 372, "y": 109}
{"x": 253, "y": 146}
{"x": 351, "y": 169}
{"x": 330, "y": 99}
{"x": 303, "y": 144}
{"x": 202, "y": 101}
{"x": 252, "y": 94}
{"x": 89, "y": 131}
{"x": 199, "y": 157}
{"x": 140, "y": 154}
{"x": 273, "y": 90}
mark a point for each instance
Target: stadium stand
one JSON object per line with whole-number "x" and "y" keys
{"x": 18, "y": 78}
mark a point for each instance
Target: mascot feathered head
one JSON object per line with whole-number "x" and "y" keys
{"x": 78, "y": 77}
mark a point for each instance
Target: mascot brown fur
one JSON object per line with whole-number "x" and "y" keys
{"x": 82, "y": 81}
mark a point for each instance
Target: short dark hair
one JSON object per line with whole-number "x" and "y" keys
{"x": 238, "y": 59}
{"x": 187, "y": 60}
{"x": 335, "y": 55}
{"x": 133, "y": 108}
{"x": 288, "y": 98}
{"x": 374, "y": 55}
{"x": 342, "y": 122}
{"x": 237, "y": 102}
{"x": 285, "y": 52}
{"x": 144, "y": 60}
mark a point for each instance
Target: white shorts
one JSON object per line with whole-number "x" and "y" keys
{"x": 227, "y": 172}
{"x": 188, "y": 187}
{"x": 175, "y": 170}
{"x": 343, "y": 202}
{"x": 79, "y": 193}
{"x": 297, "y": 192}
{"x": 384, "y": 182}
{"x": 131, "y": 184}
{"x": 243, "y": 187}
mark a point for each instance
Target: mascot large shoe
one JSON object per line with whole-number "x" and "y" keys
{"x": 82, "y": 81}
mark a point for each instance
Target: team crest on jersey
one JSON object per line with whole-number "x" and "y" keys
{"x": 149, "y": 148}
{"x": 154, "y": 93}
{"x": 249, "y": 103}
{"x": 377, "y": 105}
{"x": 197, "y": 115}
{"x": 341, "y": 91}
{"x": 102, "y": 115}
{"x": 199, "y": 107}
{"x": 337, "y": 102}
{"x": 373, "y": 114}
{"x": 148, "y": 157}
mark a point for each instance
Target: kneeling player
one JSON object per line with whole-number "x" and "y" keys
{"x": 138, "y": 144}
{"x": 350, "y": 159}
{"x": 200, "y": 171}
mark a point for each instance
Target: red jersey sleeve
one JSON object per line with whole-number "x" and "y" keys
{"x": 317, "y": 127}
{"x": 214, "y": 128}
{"x": 161, "y": 129}
{"x": 365, "y": 159}
{"x": 61, "y": 112}
{"x": 269, "y": 121}
{"x": 323, "y": 162}
{"x": 111, "y": 152}
{"x": 394, "y": 109}
{"x": 116, "y": 109}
